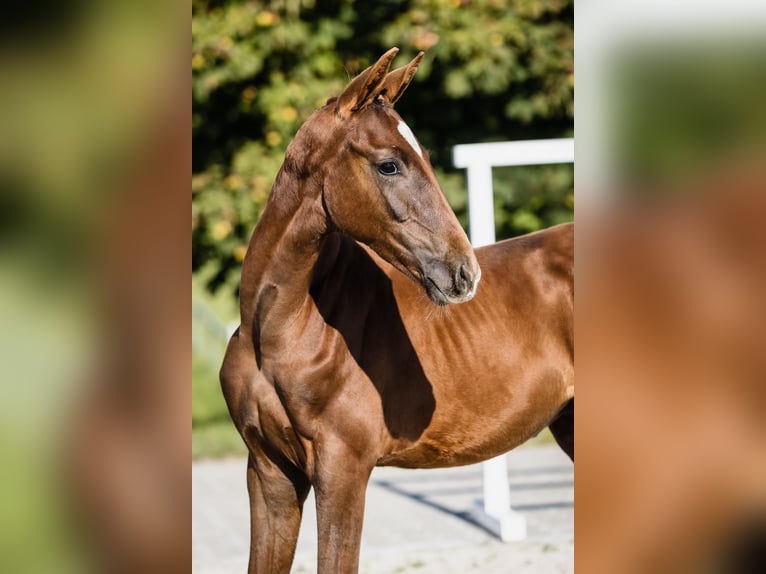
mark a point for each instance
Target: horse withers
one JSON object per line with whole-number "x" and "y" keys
{"x": 373, "y": 334}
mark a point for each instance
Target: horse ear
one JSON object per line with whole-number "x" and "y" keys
{"x": 364, "y": 88}
{"x": 398, "y": 80}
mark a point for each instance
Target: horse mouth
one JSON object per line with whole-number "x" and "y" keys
{"x": 437, "y": 295}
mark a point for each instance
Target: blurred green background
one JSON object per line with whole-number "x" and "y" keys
{"x": 493, "y": 71}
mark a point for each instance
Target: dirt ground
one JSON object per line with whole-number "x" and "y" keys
{"x": 415, "y": 521}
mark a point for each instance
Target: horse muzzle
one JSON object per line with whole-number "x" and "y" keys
{"x": 448, "y": 284}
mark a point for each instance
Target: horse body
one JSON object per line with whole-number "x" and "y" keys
{"x": 342, "y": 361}
{"x": 458, "y": 384}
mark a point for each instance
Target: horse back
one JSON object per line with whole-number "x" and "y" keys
{"x": 545, "y": 256}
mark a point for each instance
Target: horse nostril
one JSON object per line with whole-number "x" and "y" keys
{"x": 465, "y": 275}
{"x": 464, "y": 279}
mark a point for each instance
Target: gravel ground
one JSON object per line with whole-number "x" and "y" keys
{"x": 415, "y": 520}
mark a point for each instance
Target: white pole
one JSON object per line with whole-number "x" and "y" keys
{"x": 495, "y": 513}
{"x": 481, "y": 208}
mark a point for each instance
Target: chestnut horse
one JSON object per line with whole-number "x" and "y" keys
{"x": 367, "y": 337}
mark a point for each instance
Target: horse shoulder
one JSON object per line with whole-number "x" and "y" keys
{"x": 532, "y": 277}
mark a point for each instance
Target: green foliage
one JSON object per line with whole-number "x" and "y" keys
{"x": 213, "y": 433}
{"x": 531, "y": 198}
{"x": 494, "y": 70}
{"x": 483, "y": 48}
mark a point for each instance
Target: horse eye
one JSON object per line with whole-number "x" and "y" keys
{"x": 388, "y": 168}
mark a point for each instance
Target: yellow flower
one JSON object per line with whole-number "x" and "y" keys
{"x": 289, "y": 113}
{"x": 273, "y": 139}
{"x": 234, "y": 181}
{"x": 198, "y": 60}
{"x": 239, "y": 253}
{"x": 220, "y": 229}
{"x": 266, "y": 18}
{"x": 258, "y": 189}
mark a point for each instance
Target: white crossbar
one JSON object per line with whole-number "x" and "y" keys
{"x": 479, "y": 159}
{"x": 495, "y": 513}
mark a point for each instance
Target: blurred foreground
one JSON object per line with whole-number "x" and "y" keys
{"x": 672, "y": 397}
{"x": 94, "y": 303}
{"x": 671, "y": 277}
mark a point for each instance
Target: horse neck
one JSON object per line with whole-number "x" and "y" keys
{"x": 277, "y": 271}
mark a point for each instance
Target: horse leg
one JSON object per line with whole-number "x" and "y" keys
{"x": 562, "y": 428}
{"x": 340, "y": 488}
{"x": 277, "y": 493}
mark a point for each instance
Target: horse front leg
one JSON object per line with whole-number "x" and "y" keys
{"x": 340, "y": 487}
{"x": 277, "y": 493}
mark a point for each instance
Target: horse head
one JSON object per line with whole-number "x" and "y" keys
{"x": 378, "y": 186}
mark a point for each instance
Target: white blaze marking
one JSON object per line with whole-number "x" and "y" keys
{"x": 406, "y": 132}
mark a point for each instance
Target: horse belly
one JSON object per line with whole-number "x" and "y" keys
{"x": 484, "y": 423}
